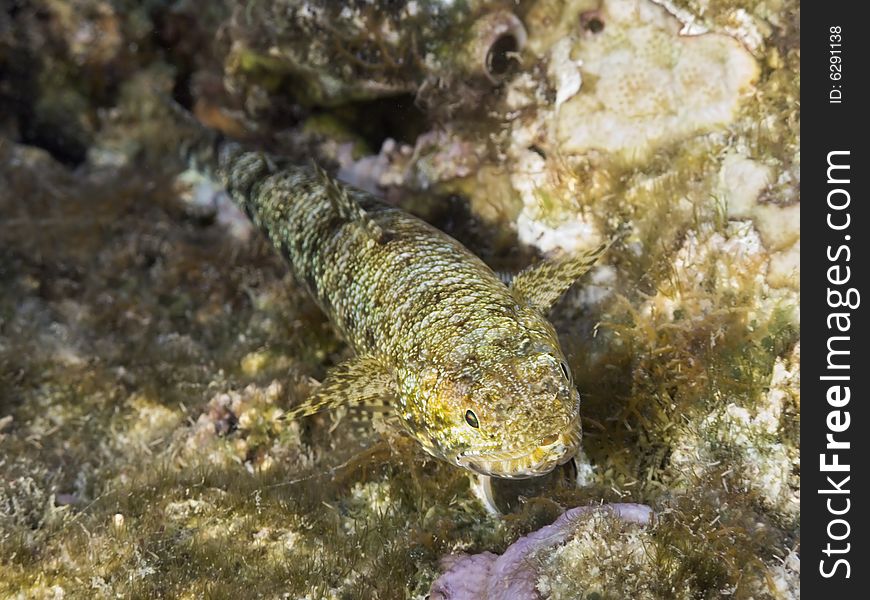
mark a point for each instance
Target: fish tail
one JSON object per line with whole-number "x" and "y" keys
{"x": 223, "y": 159}
{"x": 201, "y": 145}
{"x": 212, "y": 153}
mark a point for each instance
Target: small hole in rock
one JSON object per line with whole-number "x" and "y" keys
{"x": 501, "y": 57}
{"x": 592, "y": 22}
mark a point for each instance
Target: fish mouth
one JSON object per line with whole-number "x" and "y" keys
{"x": 546, "y": 455}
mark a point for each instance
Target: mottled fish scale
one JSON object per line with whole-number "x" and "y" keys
{"x": 470, "y": 365}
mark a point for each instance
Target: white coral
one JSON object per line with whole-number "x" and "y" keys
{"x": 653, "y": 86}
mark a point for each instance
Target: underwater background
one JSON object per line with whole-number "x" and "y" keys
{"x": 150, "y": 340}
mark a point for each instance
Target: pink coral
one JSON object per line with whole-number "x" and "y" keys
{"x": 512, "y": 576}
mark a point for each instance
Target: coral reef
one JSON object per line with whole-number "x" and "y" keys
{"x": 330, "y": 53}
{"x": 150, "y": 341}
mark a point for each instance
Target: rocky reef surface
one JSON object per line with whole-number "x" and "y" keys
{"x": 150, "y": 340}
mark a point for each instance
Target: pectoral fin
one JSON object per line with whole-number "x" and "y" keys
{"x": 541, "y": 285}
{"x": 358, "y": 382}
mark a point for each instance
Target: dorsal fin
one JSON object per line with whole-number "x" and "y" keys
{"x": 348, "y": 208}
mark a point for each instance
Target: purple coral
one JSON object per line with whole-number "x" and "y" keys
{"x": 512, "y": 575}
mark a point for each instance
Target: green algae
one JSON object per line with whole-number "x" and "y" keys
{"x": 146, "y": 357}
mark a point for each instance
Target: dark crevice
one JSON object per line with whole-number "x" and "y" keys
{"x": 397, "y": 117}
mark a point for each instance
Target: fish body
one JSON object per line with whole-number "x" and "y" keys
{"x": 469, "y": 366}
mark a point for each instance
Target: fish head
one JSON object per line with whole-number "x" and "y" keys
{"x": 506, "y": 410}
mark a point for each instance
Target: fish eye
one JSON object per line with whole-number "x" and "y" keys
{"x": 565, "y": 371}
{"x": 471, "y": 418}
